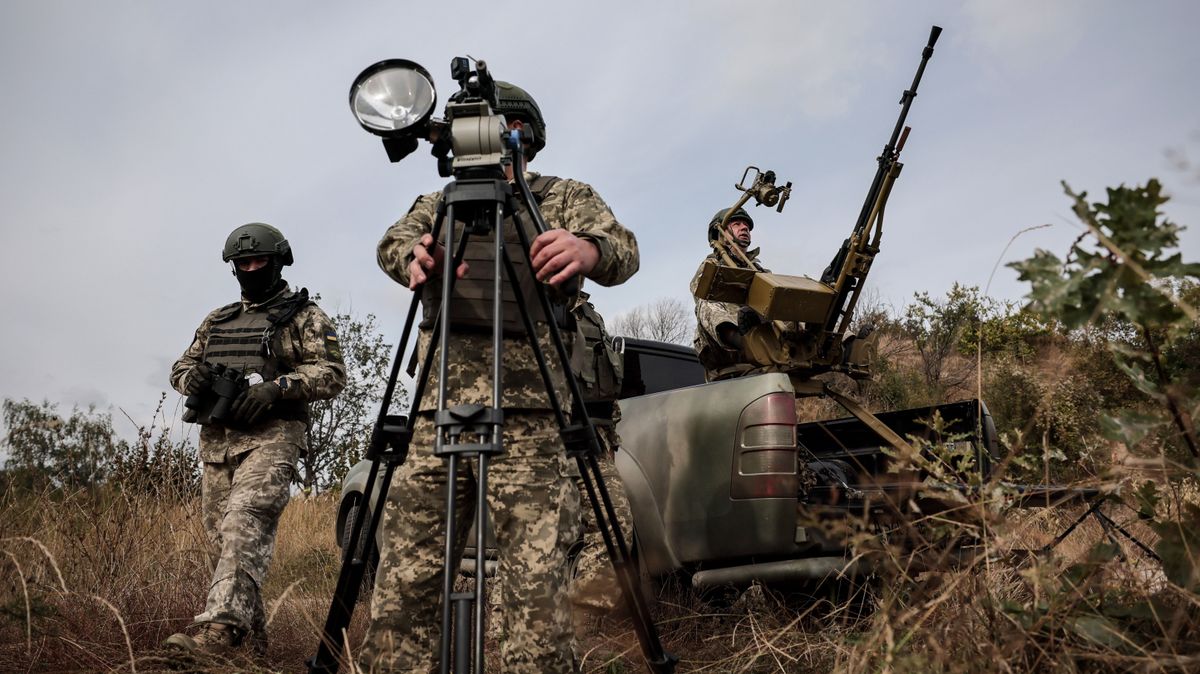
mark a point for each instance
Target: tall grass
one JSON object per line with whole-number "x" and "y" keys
{"x": 95, "y": 580}
{"x": 107, "y": 572}
{"x": 93, "y": 576}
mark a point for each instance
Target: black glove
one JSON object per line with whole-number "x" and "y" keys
{"x": 255, "y": 401}
{"x": 198, "y": 379}
{"x": 748, "y": 319}
{"x": 730, "y": 337}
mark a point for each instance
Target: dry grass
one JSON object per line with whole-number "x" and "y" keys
{"x": 106, "y": 575}
{"x": 1005, "y": 609}
{"x": 96, "y": 582}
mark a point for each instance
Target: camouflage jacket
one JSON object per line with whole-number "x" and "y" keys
{"x": 568, "y": 204}
{"x": 718, "y": 358}
{"x": 306, "y": 346}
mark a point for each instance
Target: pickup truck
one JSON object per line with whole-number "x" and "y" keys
{"x": 714, "y": 471}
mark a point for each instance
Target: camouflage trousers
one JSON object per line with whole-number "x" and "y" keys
{"x": 593, "y": 582}
{"x": 535, "y": 513}
{"x": 242, "y": 497}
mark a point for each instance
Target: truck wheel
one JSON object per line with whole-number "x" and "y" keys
{"x": 373, "y": 561}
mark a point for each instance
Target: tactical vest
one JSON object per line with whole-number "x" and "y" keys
{"x": 247, "y": 341}
{"x": 471, "y": 303}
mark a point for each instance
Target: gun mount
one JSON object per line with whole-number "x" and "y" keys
{"x": 796, "y": 324}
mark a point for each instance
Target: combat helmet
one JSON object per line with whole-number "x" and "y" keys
{"x": 257, "y": 238}
{"x": 739, "y": 214}
{"x": 514, "y": 102}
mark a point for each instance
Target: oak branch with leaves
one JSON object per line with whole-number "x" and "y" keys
{"x": 1125, "y": 270}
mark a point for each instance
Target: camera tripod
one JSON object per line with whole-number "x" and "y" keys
{"x": 481, "y": 198}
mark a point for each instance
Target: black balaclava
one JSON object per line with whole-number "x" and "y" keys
{"x": 260, "y": 284}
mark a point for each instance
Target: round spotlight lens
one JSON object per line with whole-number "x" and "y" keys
{"x": 392, "y": 96}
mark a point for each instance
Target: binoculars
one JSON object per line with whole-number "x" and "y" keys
{"x": 213, "y": 405}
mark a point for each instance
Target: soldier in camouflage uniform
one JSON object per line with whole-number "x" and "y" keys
{"x": 288, "y": 351}
{"x": 718, "y": 340}
{"x": 599, "y": 368}
{"x": 533, "y": 502}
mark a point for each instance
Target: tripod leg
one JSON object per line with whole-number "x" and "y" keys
{"x": 406, "y": 606}
{"x": 449, "y": 562}
{"x": 593, "y": 577}
{"x": 481, "y": 519}
{"x": 449, "y": 559}
{"x": 367, "y": 520}
{"x": 363, "y": 528}
{"x": 497, "y": 436}
{"x": 459, "y": 626}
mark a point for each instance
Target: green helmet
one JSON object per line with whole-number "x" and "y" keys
{"x": 739, "y": 214}
{"x": 514, "y": 102}
{"x": 257, "y": 238}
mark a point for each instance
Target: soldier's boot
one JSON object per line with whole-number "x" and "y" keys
{"x": 209, "y": 639}
{"x": 593, "y": 586}
{"x": 257, "y": 642}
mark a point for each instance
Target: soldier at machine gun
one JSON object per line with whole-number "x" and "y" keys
{"x": 750, "y": 320}
{"x": 795, "y": 324}
{"x": 718, "y": 339}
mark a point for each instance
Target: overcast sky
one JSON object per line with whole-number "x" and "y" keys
{"x": 136, "y": 135}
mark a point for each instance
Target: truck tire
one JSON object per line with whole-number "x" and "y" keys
{"x": 373, "y": 561}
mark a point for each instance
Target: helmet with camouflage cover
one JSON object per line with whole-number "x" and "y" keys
{"x": 254, "y": 239}
{"x": 514, "y": 102}
{"x": 739, "y": 214}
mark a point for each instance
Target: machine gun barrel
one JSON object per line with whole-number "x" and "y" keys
{"x": 890, "y": 150}
{"x": 846, "y": 273}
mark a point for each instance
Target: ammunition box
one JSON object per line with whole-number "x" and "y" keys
{"x": 724, "y": 284}
{"x": 779, "y": 297}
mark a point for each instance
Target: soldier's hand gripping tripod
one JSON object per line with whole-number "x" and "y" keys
{"x": 482, "y": 198}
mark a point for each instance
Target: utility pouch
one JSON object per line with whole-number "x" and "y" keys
{"x": 595, "y": 359}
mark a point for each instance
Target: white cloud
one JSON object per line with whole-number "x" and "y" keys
{"x": 1023, "y": 34}
{"x": 198, "y": 118}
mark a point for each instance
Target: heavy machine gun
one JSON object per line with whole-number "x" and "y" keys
{"x": 796, "y": 324}
{"x": 848, "y": 270}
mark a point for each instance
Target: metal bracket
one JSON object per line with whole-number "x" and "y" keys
{"x": 888, "y": 435}
{"x": 472, "y": 419}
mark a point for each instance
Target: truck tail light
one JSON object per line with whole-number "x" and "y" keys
{"x": 764, "y": 461}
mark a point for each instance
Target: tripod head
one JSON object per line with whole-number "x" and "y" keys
{"x": 395, "y": 99}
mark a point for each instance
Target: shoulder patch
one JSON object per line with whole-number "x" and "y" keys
{"x": 333, "y": 350}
